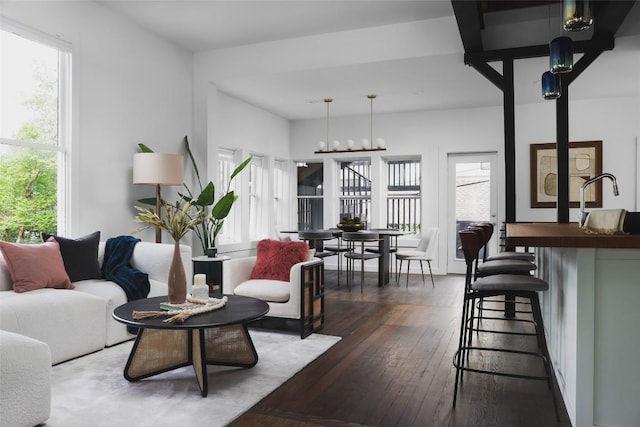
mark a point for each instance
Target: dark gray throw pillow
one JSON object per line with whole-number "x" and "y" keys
{"x": 80, "y": 256}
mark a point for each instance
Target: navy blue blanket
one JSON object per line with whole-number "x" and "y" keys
{"x": 117, "y": 268}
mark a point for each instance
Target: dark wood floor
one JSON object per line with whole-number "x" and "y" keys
{"x": 393, "y": 367}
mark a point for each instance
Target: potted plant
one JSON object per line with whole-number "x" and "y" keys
{"x": 349, "y": 224}
{"x": 177, "y": 219}
{"x": 214, "y": 212}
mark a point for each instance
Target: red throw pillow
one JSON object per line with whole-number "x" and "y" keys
{"x": 35, "y": 266}
{"x": 275, "y": 259}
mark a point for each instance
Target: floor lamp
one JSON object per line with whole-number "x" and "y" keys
{"x": 158, "y": 169}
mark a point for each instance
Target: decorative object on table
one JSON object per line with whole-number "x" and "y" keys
{"x": 157, "y": 169}
{"x": 179, "y": 314}
{"x": 177, "y": 220}
{"x": 212, "y": 268}
{"x": 585, "y": 162}
{"x": 212, "y": 252}
{"x": 200, "y": 289}
{"x": 351, "y": 224}
{"x": 367, "y": 144}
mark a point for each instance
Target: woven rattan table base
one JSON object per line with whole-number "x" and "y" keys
{"x": 160, "y": 350}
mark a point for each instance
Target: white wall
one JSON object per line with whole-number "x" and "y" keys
{"x": 434, "y": 134}
{"x": 614, "y": 121}
{"x": 129, "y": 87}
{"x": 237, "y": 125}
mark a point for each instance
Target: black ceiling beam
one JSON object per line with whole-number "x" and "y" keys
{"x": 490, "y": 73}
{"x": 604, "y": 42}
{"x": 608, "y": 16}
{"x": 470, "y": 23}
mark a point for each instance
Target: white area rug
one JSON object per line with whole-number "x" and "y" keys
{"x": 92, "y": 391}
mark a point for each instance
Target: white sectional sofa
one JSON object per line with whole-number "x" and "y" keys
{"x": 25, "y": 378}
{"x": 75, "y": 322}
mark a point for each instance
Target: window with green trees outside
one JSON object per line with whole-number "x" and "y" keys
{"x": 34, "y": 97}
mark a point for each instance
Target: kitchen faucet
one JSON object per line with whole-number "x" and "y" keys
{"x": 591, "y": 181}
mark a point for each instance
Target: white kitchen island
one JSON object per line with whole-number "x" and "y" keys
{"x": 592, "y": 318}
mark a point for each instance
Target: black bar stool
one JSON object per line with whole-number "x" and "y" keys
{"x": 523, "y": 286}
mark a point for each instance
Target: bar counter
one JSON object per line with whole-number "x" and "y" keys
{"x": 551, "y": 234}
{"x": 591, "y": 318}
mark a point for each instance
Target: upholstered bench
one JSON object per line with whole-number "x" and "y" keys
{"x": 25, "y": 375}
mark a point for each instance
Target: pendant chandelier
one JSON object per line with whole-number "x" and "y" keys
{"x": 576, "y": 15}
{"x": 323, "y": 145}
{"x": 367, "y": 144}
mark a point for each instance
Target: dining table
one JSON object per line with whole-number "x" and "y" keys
{"x": 384, "y": 245}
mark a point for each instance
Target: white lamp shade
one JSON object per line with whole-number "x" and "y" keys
{"x": 158, "y": 168}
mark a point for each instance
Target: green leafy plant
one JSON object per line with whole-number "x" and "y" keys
{"x": 354, "y": 220}
{"x": 213, "y": 212}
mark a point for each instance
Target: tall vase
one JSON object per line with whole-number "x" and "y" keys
{"x": 177, "y": 281}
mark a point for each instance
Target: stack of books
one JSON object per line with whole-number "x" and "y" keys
{"x": 179, "y": 307}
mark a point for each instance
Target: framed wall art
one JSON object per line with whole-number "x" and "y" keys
{"x": 585, "y": 162}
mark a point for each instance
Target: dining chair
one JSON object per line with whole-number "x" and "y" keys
{"x": 339, "y": 249}
{"x": 315, "y": 239}
{"x": 353, "y": 238}
{"x": 424, "y": 251}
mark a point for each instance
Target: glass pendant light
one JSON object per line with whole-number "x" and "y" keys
{"x": 561, "y": 55}
{"x": 576, "y": 15}
{"x": 551, "y": 85}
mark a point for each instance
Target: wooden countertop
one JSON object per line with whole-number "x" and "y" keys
{"x": 551, "y": 234}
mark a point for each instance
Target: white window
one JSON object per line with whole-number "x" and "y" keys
{"x": 35, "y": 130}
{"x": 403, "y": 195}
{"x": 230, "y": 232}
{"x": 258, "y": 215}
{"x": 355, "y": 190}
{"x": 281, "y": 194}
{"x": 310, "y": 195}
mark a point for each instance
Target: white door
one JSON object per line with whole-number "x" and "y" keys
{"x": 472, "y": 197}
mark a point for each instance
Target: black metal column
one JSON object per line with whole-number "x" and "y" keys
{"x": 509, "y": 140}
{"x": 562, "y": 147}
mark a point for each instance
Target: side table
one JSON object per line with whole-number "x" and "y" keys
{"x": 212, "y": 267}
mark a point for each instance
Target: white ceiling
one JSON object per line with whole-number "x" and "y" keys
{"x": 423, "y": 75}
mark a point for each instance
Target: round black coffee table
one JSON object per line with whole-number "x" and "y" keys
{"x": 218, "y": 337}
